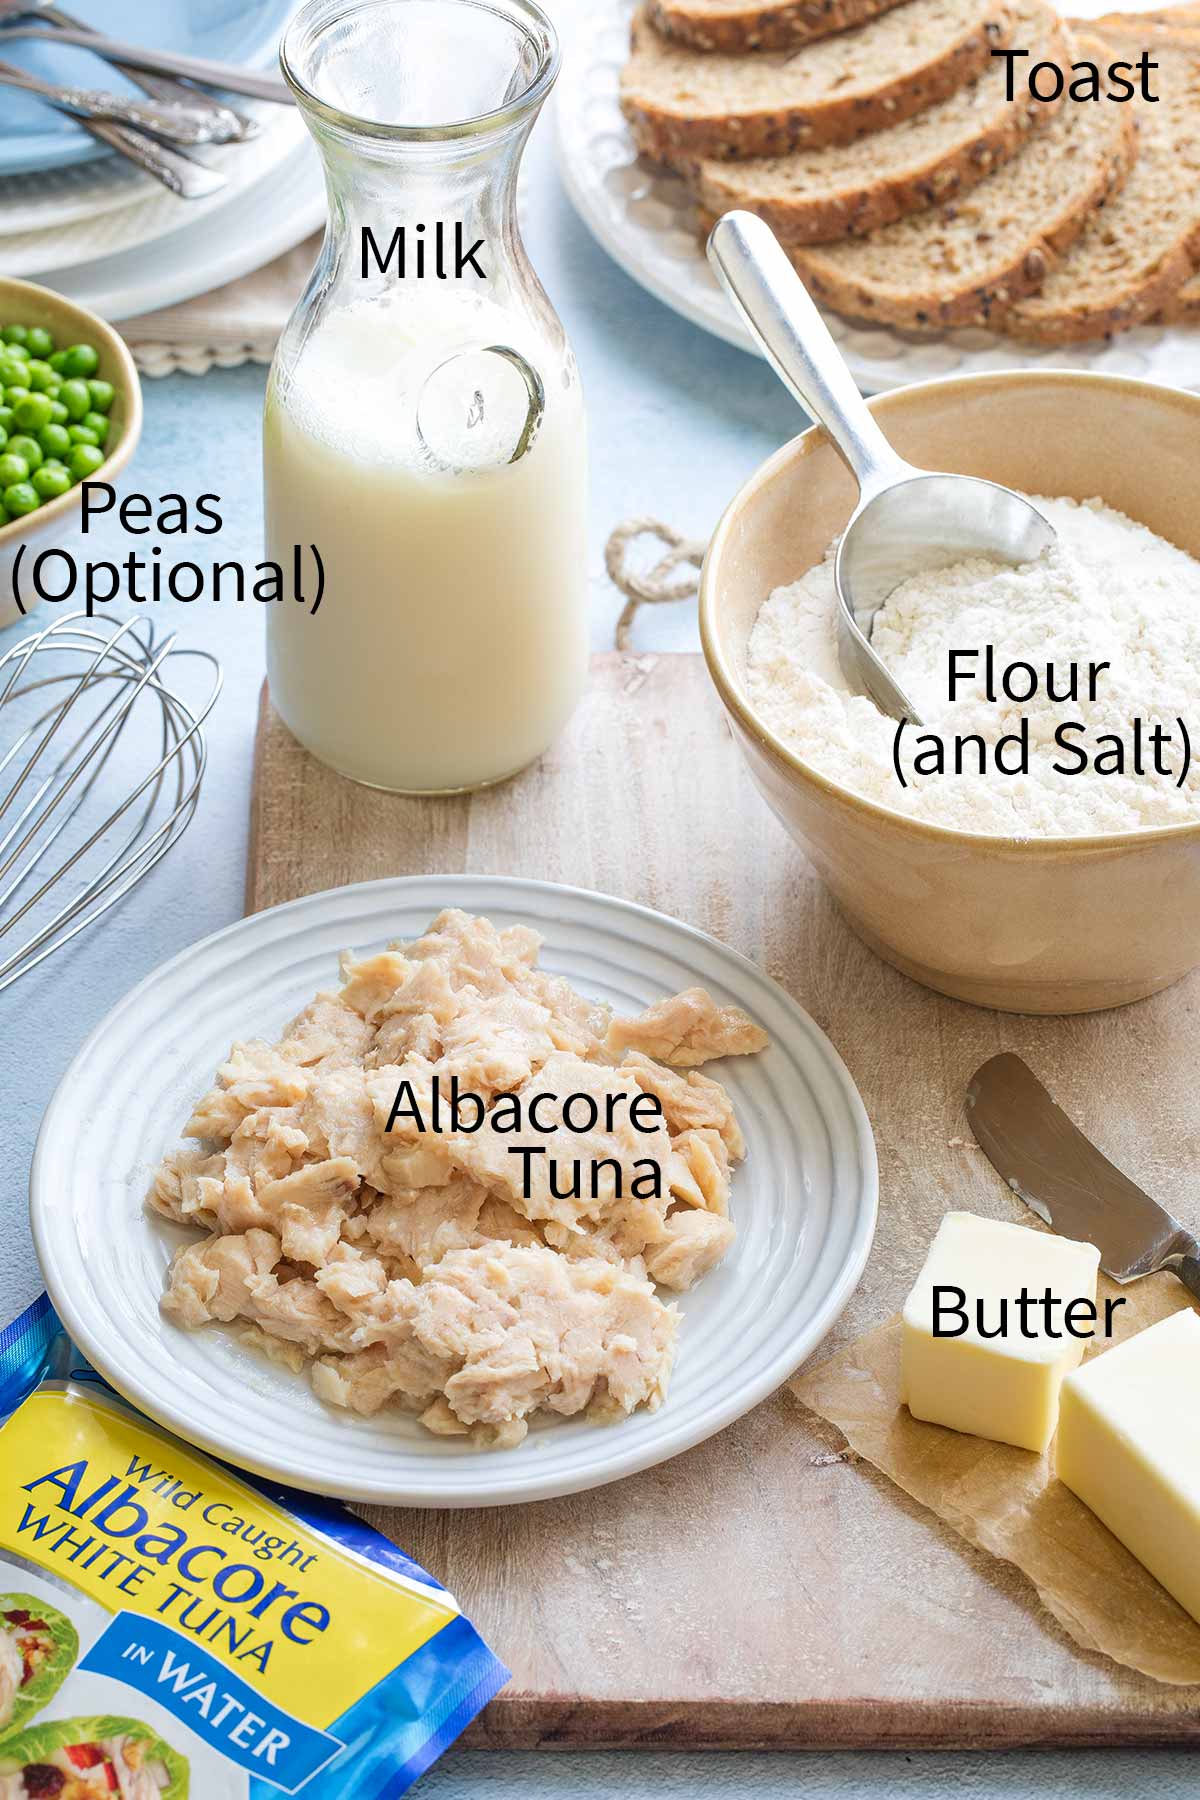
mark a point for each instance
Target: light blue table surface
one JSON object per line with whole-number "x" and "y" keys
{"x": 677, "y": 422}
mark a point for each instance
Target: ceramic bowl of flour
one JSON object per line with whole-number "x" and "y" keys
{"x": 1040, "y": 924}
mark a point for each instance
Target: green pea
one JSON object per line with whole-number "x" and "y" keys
{"x": 6, "y": 418}
{"x": 27, "y": 447}
{"x": 12, "y": 369}
{"x": 33, "y": 412}
{"x": 83, "y": 434}
{"x": 74, "y": 396}
{"x": 41, "y": 375}
{"x": 19, "y": 351}
{"x": 81, "y": 360}
{"x": 58, "y": 412}
{"x": 15, "y": 334}
{"x": 3, "y": 514}
{"x": 12, "y": 468}
{"x": 96, "y": 421}
{"x": 39, "y": 341}
{"x": 50, "y": 481}
{"x": 21, "y": 498}
{"x": 103, "y": 394}
{"x": 3, "y": 437}
{"x": 55, "y": 440}
{"x": 84, "y": 460}
{"x": 15, "y": 393}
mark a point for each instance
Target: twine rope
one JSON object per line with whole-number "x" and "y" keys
{"x": 672, "y": 577}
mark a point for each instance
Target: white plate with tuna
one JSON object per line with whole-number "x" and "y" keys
{"x": 803, "y": 1201}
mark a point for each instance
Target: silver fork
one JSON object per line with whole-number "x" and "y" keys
{"x": 177, "y": 121}
{"x": 236, "y": 126}
{"x": 178, "y": 172}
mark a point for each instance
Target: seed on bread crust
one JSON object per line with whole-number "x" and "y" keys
{"x": 682, "y": 105}
{"x": 738, "y": 25}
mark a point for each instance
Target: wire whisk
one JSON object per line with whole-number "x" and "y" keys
{"x": 84, "y": 707}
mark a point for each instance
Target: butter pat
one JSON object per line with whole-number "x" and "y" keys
{"x": 1024, "y": 1295}
{"x": 1129, "y": 1446}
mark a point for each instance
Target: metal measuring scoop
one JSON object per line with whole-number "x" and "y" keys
{"x": 907, "y": 520}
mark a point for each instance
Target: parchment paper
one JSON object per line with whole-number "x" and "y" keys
{"x": 1008, "y": 1501}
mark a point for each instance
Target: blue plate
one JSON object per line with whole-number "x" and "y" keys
{"x": 34, "y": 136}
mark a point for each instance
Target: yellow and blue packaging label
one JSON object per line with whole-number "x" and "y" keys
{"x": 239, "y": 1639}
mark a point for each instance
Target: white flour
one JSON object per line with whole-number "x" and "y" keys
{"x": 1111, "y": 591}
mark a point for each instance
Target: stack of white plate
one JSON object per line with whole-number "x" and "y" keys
{"x": 88, "y": 223}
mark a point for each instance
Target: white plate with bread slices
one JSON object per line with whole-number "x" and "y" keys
{"x": 943, "y": 226}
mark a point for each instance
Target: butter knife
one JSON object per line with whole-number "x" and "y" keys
{"x": 1065, "y": 1180}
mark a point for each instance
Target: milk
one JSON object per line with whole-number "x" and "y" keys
{"x": 451, "y": 643}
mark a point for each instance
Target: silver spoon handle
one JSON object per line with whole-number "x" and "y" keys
{"x": 778, "y": 309}
{"x": 162, "y": 87}
{"x": 162, "y": 62}
{"x": 176, "y": 171}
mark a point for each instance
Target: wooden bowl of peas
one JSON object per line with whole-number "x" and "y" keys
{"x": 70, "y": 411}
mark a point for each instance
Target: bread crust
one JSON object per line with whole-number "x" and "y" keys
{"x": 799, "y": 219}
{"x": 762, "y": 25}
{"x": 1169, "y": 23}
{"x": 680, "y": 138}
{"x": 1183, "y": 308}
{"x": 1080, "y": 323}
{"x": 945, "y": 306}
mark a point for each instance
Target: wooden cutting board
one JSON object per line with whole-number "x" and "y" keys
{"x": 760, "y": 1590}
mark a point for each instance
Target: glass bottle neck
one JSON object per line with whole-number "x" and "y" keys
{"x": 421, "y": 109}
{"x": 424, "y": 214}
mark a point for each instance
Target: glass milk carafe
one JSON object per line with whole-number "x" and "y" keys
{"x": 424, "y": 422}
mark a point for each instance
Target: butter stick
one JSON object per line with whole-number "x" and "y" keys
{"x": 1000, "y": 1314}
{"x": 1129, "y": 1446}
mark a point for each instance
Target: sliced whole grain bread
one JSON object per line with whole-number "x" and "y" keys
{"x": 684, "y": 104}
{"x": 966, "y": 263}
{"x": 836, "y": 191}
{"x": 735, "y": 25}
{"x": 1133, "y": 259}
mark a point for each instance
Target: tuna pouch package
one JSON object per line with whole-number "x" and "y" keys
{"x": 173, "y": 1630}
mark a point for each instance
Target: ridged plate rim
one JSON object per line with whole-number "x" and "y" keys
{"x": 132, "y": 1081}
